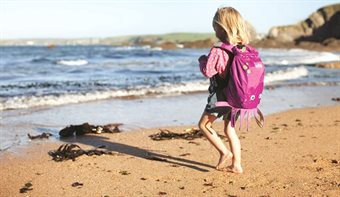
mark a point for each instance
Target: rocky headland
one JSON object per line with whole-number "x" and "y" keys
{"x": 320, "y": 31}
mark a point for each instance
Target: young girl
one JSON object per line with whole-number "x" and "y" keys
{"x": 230, "y": 28}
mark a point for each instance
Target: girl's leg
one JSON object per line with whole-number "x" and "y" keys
{"x": 205, "y": 124}
{"x": 235, "y": 147}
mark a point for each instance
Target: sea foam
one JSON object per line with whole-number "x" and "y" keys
{"x": 78, "y": 62}
{"x": 296, "y": 57}
{"x": 287, "y": 74}
{"x": 165, "y": 89}
{"x": 21, "y": 102}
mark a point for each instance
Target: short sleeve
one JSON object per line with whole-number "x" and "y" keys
{"x": 215, "y": 64}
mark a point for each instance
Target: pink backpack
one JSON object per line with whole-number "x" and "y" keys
{"x": 245, "y": 85}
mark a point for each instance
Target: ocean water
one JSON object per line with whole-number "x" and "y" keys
{"x": 45, "y": 90}
{"x": 39, "y": 76}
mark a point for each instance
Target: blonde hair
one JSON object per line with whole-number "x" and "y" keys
{"x": 233, "y": 24}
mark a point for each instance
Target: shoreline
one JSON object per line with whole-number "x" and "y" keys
{"x": 143, "y": 113}
{"x": 280, "y": 159}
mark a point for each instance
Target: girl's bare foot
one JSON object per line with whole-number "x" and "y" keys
{"x": 234, "y": 169}
{"x": 223, "y": 160}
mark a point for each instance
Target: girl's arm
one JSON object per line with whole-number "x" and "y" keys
{"x": 216, "y": 62}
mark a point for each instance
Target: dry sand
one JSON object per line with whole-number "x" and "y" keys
{"x": 296, "y": 154}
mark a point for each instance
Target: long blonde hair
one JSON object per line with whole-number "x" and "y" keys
{"x": 233, "y": 24}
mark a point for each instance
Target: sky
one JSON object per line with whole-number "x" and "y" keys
{"x": 107, "y": 18}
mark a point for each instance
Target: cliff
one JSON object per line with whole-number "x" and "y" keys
{"x": 319, "y": 26}
{"x": 320, "y": 31}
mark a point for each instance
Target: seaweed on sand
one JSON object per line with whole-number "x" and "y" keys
{"x": 41, "y": 136}
{"x": 77, "y": 184}
{"x": 27, "y": 187}
{"x": 169, "y": 135}
{"x": 87, "y": 128}
{"x": 72, "y": 151}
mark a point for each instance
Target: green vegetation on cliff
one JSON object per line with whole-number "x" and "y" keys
{"x": 116, "y": 40}
{"x": 170, "y": 37}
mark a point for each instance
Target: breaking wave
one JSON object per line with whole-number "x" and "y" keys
{"x": 288, "y": 74}
{"x": 36, "y": 77}
{"x": 78, "y": 62}
{"x": 297, "y": 57}
{"x": 53, "y": 100}
{"x": 166, "y": 89}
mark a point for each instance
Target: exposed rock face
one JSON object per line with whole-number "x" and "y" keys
{"x": 330, "y": 29}
{"x": 271, "y": 43}
{"x": 320, "y": 31}
{"x": 199, "y": 44}
{"x": 168, "y": 45}
{"x": 286, "y": 33}
{"x": 329, "y": 65}
{"x": 322, "y": 24}
{"x": 331, "y": 44}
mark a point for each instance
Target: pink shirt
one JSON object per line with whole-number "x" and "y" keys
{"x": 215, "y": 63}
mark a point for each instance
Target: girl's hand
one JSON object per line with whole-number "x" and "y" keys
{"x": 202, "y": 58}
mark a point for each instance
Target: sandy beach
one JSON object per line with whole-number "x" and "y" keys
{"x": 297, "y": 153}
{"x": 93, "y": 106}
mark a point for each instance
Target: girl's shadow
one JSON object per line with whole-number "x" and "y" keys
{"x": 96, "y": 141}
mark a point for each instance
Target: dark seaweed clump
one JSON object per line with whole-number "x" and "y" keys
{"x": 168, "y": 135}
{"x": 41, "y": 136}
{"x": 87, "y": 128}
{"x": 72, "y": 151}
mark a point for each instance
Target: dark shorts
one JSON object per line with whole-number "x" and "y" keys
{"x": 210, "y": 108}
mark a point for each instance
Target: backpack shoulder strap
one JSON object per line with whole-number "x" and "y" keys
{"x": 227, "y": 47}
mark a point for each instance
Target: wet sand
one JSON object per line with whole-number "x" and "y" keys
{"x": 297, "y": 153}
